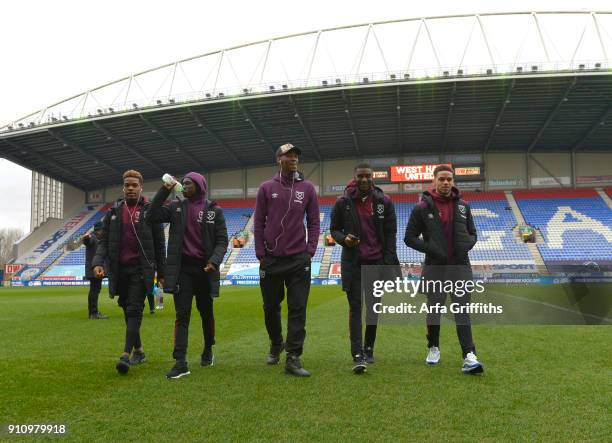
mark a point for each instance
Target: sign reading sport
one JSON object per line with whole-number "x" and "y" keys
{"x": 413, "y": 173}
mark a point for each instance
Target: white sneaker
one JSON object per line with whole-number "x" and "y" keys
{"x": 471, "y": 365}
{"x": 433, "y": 356}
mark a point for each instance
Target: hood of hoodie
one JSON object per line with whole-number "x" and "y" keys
{"x": 200, "y": 182}
{"x": 433, "y": 195}
{"x": 351, "y": 190}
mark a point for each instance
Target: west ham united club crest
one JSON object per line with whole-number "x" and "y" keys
{"x": 299, "y": 195}
{"x": 461, "y": 209}
{"x": 380, "y": 208}
{"x": 210, "y": 215}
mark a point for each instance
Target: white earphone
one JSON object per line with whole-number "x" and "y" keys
{"x": 131, "y": 214}
{"x": 282, "y": 222}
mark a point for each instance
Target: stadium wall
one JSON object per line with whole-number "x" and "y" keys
{"x": 593, "y": 169}
{"x": 74, "y": 199}
{"x": 504, "y": 171}
{"x": 546, "y": 170}
{"x": 550, "y": 170}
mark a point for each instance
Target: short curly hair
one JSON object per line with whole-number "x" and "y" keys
{"x": 133, "y": 173}
{"x": 441, "y": 168}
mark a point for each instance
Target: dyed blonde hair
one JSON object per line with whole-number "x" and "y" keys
{"x": 133, "y": 173}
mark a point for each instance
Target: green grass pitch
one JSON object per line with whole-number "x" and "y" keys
{"x": 541, "y": 382}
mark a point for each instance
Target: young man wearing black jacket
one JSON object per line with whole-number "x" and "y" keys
{"x": 133, "y": 249}
{"x": 363, "y": 222}
{"x": 448, "y": 233}
{"x": 95, "y": 284}
{"x": 196, "y": 247}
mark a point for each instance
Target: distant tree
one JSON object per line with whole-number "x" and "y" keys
{"x": 8, "y": 237}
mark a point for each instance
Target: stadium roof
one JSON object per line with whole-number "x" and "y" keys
{"x": 429, "y": 85}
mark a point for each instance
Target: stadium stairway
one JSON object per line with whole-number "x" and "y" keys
{"x": 225, "y": 266}
{"x": 605, "y": 197}
{"x": 249, "y": 228}
{"x": 326, "y": 262}
{"x": 533, "y": 248}
{"x": 515, "y": 209}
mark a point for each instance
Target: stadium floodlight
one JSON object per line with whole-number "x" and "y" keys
{"x": 445, "y": 74}
{"x": 271, "y": 88}
{"x": 519, "y": 69}
{"x": 207, "y": 95}
{"x": 366, "y": 80}
{"x": 392, "y": 76}
{"x": 324, "y": 82}
{"x": 111, "y": 109}
{"x": 100, "y": 111}
{"x": 459, "y": 72}
{"x": 221, "y": 95}
{"x": 65, "y": 117}
{"x": 172, "y": 101}
{"x": 135, "y": 105}
{"x": 53, "y": 119}
{"x": 406, "y": 76}
{"x": 338, "y": 81}
{"x": 284, "y": 87}
{"x": 245, "y": 91}
{"x": 581, "y": 66}
{"x": 159, "y": 102}
{"x": 534, "y": 68}
{"x": 489, "y": 71}
{"x": 20, "y": 125}
{"x": 597, "y": 65}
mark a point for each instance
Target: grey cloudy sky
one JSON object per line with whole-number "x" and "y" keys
{"x": 53, "y": 50}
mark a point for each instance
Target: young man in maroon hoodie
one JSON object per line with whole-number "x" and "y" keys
{"x": 284, "y": 252}
{"x": 363, "y": 222}
{"x": 448, "y": 234}
{"x": 196, "y": 247}
{"x": 131, "y": 251}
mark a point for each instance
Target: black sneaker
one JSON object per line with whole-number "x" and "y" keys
{"x": 123, "y": 365}
{"x": 208, "y": 358}
{"x": 293, "y": 366}
{"x": 152, "y": 311}
{"x": 137, "y": 358}
{"x": 274, "y": 355}
{"x": 98, "y": 316}
{"x": 368, "y": 353}
{"x": 179, "y": 369}
{"x": 359, "y": 364}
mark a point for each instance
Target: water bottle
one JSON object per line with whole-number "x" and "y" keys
{"x": 159, "y": 295}
{"x": 168, "y": 179}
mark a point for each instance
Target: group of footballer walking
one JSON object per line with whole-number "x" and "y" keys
{"x": 130, "y": 250}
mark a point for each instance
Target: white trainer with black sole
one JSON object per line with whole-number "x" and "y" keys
{"x": 471, "y": 365}
{"x": 433, "y": 356}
